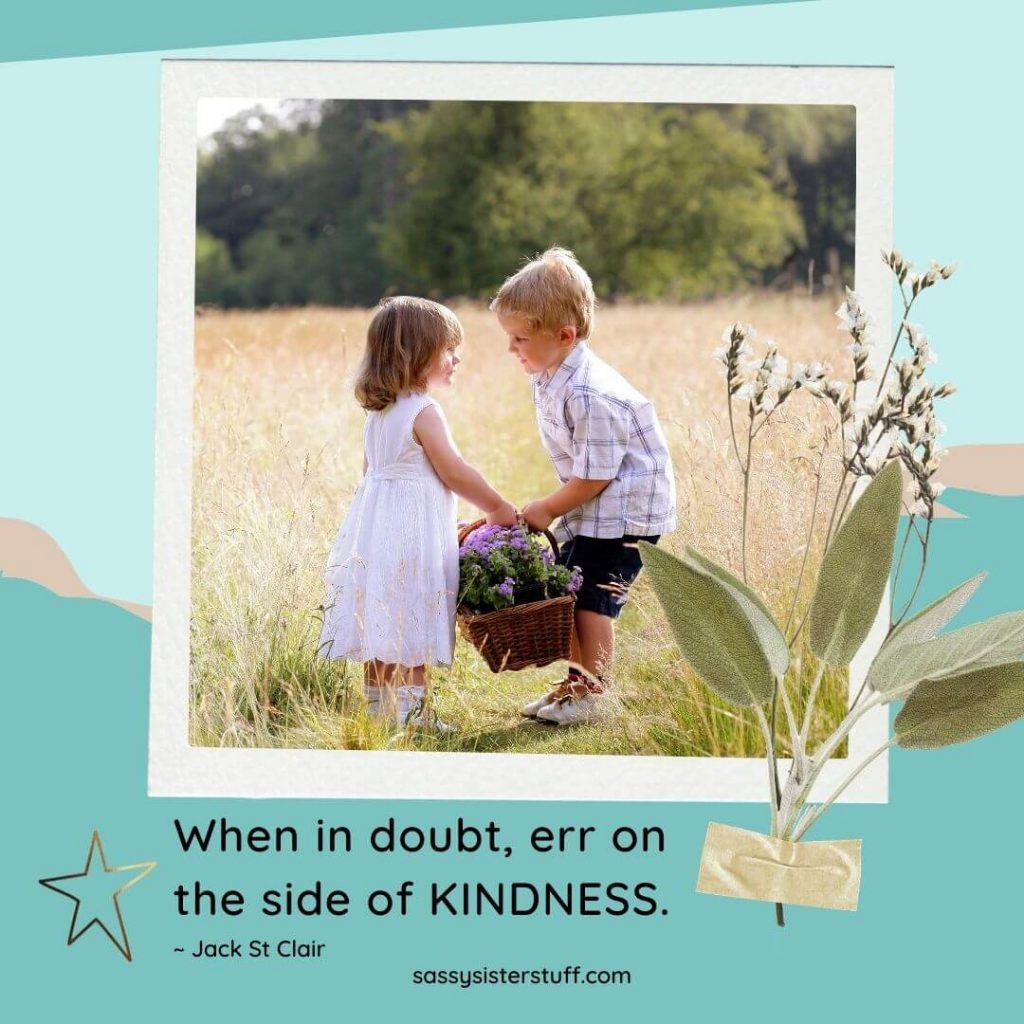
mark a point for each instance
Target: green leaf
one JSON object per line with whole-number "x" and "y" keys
{"x": 855, "y": 570}
{"x": 995, "y": 642}
{"x": 927, "y": 622}
{"x": 710, "y": 627}
{"x": 768, "y": 632}
{"x": 944, "y": 711}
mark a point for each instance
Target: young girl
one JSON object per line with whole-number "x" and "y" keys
{"x": 393, "y": 573}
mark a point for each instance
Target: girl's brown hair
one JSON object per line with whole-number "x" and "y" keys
{"x": 405, "y": 338}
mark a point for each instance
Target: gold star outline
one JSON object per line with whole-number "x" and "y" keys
{"x": 75, "y": 932}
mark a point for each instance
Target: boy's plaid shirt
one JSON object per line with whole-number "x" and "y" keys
{"x": 597, "y": 426}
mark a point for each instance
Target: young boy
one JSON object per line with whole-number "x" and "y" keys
{"x": 610, "y": 454}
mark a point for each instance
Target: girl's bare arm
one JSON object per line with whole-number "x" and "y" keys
{"x": 456, "y": 474}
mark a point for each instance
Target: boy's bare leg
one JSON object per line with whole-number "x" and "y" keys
{"x": 592, "y": 652}
{"x": 593, "y": 642}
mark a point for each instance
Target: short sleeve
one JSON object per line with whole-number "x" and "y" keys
{"x": 600, "y": 435}
{"x": 425, "y": 402}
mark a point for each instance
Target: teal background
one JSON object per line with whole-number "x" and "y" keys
{"x": 935, "y": 933}
{"x": 114, "y": 26}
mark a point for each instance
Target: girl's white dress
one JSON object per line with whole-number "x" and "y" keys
{"x": 393, "y": 572}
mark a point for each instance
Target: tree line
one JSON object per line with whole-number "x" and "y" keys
{"x": 342, "y": 202}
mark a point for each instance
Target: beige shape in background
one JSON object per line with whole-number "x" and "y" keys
{"x": 989, "y": 468}
{"x": 986, "y": 468}
{"x": 28, "y": 552}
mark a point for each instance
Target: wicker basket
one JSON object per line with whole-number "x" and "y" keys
{"x": 524, "y": 635}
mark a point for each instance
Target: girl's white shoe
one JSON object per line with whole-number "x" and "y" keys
{"x": 406, "y": 706}
{"x": 430, "y": 723}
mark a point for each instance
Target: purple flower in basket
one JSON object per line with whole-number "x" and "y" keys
{"x": 482, "y": 541}
{"x": 500, "y": 564}
{"x": 575, "y": 581}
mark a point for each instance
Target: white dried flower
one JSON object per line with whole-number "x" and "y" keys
{"x": 852, "y": 316}
{"x": 875, "y": 461}
{"x": 918, "y": 339}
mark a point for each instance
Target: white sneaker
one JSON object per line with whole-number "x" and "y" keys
{"x": 572, "y": 711}
{"x": 560, "y": 690}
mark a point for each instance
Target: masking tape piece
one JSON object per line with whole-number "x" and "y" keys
{"x": 752, "y": 866}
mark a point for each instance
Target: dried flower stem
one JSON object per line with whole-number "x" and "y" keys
{"x": 920, "y": 573}
{"x": 882, "y": 378}
{"x": 746, "y": 496}
{"x": 807, "y": 545}
{"x": 732, "y": 425}
{"x": 899, "y": 561}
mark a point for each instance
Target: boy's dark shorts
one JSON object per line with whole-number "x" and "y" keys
{"x": 609, "y": 567}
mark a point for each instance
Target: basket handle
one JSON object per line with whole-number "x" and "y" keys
{"x": 468, "y": 528}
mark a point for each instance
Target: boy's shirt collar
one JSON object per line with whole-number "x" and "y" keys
{"x": 565, "y": 369}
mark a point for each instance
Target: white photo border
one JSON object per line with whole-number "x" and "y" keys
{"x": 178, "y": 769}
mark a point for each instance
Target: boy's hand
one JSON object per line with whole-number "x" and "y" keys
{"x": 504, "y": 515}
{"x": 537, "y": 514}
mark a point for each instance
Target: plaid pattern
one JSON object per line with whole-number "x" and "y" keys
{"x": 597, "y": 426}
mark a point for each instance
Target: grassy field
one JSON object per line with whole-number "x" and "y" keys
{"x": 277, "y": 456}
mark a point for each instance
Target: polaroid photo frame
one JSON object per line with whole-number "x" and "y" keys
{"x": 177, "y": 768}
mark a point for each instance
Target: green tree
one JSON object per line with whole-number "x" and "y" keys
{"x": 348, "y": 200}
{"x": 214, "y": 272}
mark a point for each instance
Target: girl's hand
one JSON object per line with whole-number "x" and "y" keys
{"x": 503, "y": 515}
{"x": 536, "y": 513}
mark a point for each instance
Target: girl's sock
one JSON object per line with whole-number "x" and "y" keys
{"x": 408, "y": 703}
{"x": 401, "y": 704}
{"x": 373, "y": 698}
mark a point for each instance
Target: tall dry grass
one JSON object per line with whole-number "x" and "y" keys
{"x": 277, "y": 457}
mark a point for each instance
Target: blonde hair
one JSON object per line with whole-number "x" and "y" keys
{"x": 404, "y": 340}
{"x": 552, "y": 291}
